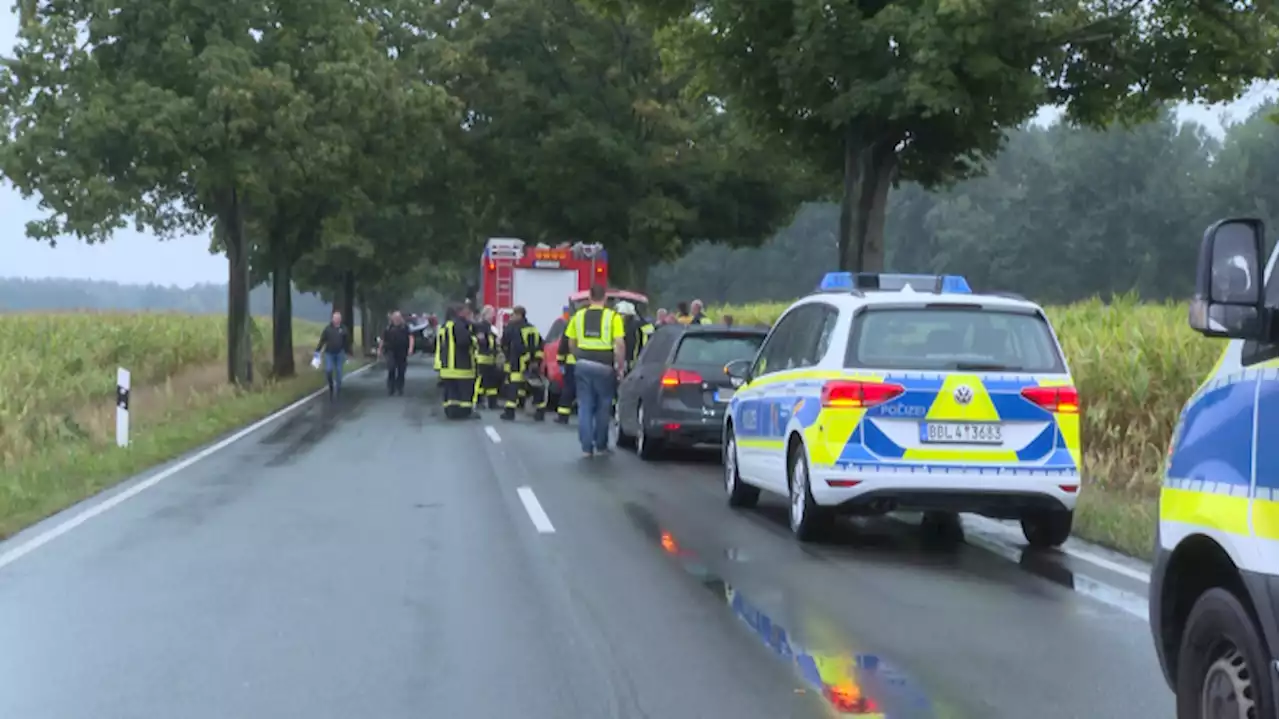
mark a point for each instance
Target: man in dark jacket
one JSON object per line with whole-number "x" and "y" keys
{"x": 397, "y": 345}
{"x": 333, "y": 347}
{"x": 456, "y": 363}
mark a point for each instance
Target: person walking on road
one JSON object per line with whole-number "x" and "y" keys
{"x": 634, "y": 332}
{"x": 521, "y": 345}
{"x": 396, "y": 345}
{"x": 333, "y": 347}
{"x": 597, "y": 340}
{"x": 682, "y": 313}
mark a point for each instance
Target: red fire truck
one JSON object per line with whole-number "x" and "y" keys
{"x": 538, "y": 277}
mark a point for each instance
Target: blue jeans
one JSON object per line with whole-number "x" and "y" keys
{"x": 595, "y": 385}
{"x": 333, "y": 362}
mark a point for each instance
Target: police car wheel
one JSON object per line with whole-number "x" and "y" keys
{"x": 807, "y": 518}
{"x": 1223, "y": 672}
{"x": 1047, "y": 528}
{"x": 740, "y": 493}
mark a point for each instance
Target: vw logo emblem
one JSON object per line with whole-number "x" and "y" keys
{"x": 963, "y": 395}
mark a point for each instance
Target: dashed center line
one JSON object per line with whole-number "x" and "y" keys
{"x": 493, "y": 434}
{"x": 541, "y": 521}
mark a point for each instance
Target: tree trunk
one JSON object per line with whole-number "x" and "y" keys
{"x": 349, "y": 304}
{"x": 368, "y": 330}
{"x": 239, "y": 338}
{"x": 879, "y": 162}
{"x": 848, "y": 200}
{"x": 282, "y": 364}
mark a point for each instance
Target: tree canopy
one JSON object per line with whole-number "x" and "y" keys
{"x": 364, "y": 149}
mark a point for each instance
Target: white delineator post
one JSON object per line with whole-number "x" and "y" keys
{"x": 122, "y": 407}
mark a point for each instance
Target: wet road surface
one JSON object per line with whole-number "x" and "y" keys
{"x": 373, "y": 560}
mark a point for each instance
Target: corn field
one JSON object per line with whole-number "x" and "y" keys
{"x": 55, "y": 364}
{"x": 1134, "y": 364}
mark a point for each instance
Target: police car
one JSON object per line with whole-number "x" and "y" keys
{"x": 907, "y": 392}
{"x": 1213, "y": 601}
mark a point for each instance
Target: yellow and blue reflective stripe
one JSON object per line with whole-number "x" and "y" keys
{"x": 841, "y": 437}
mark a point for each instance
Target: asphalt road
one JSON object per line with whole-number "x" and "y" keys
{"x": 373, "y": 560}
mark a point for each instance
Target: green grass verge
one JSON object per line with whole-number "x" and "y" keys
{"x": 1123, "y": 521}
{"x": 61, "y": 475}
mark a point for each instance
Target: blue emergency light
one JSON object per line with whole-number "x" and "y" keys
{"x": 890, "y": 282}
{"x": 836, "y": 282}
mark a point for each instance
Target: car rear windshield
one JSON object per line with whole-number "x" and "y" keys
{"x": 719, "y": 348}
{"x": 953, "y": 338}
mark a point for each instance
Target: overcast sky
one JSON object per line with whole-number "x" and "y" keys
{"x": 140, "y": 258}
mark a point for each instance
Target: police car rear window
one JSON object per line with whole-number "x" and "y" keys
{"x": 717, "y": 348}
{"x": 952, "y": 338}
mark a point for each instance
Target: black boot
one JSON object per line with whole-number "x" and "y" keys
{"x": 539, "y": 415}
{"x": 509, "y": 414}
{"x": 562, "y": 419}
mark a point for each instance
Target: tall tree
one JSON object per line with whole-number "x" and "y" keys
{"x": 163, "y": 114}
{"x": 879, "y": 92}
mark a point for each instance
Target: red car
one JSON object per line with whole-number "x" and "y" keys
{"x": 551, "y": 343}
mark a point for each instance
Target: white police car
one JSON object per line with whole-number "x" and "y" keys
{"x": 907, "y": 392}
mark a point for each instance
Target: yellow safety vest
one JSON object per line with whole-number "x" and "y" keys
{"x": 593, "y": 332}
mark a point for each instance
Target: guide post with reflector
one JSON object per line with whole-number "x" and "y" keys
{"x": 122, "y": 407}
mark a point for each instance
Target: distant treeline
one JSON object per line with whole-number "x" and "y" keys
{"x": 28, "y": 295}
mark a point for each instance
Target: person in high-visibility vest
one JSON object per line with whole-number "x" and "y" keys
{"x": 597, "y": 340}
{"x": 455, "y": 361}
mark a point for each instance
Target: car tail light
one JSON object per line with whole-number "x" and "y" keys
{"x": 851, "y": 393}
{"x": 677, "y": 377}
{"x": 1064, "y": 400}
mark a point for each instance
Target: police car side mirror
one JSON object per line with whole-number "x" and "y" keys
{"x": 1229, "y": 281}
{"x": 738, "y": 371}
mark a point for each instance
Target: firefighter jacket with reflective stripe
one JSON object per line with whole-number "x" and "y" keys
{"x": 531, "y": 338}
{"x": 594, "y": 329}
{"x": 486, "y": 343}
{"x": 455, "y": 351}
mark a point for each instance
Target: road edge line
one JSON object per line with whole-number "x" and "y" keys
{"x": 115, "y": 500}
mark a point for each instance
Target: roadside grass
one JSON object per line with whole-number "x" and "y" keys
{"x": 1135, "y": 364}
{"x": 57, "y": 426}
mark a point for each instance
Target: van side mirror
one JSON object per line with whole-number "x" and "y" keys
{"x": 739, "y": 371}
{"x": 1229, "y": 281}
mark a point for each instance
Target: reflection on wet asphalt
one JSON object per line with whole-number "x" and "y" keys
{"x": 373, "y": 560}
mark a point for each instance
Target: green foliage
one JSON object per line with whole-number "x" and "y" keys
{"x": 1062, "y": 214}
{"x": 923, "y": 91}
{"x": 583, "y": 134}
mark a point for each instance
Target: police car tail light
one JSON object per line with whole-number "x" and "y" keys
{"x": 852, "y": 393}
{"x": 677, "y": 377}
{"x": 1064, "y": 400}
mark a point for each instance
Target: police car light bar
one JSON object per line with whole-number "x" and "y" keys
{"x": 889, "y": 282}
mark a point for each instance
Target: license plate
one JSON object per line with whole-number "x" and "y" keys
{"x": 724, "y": 395}
{"x": 961, "y": 433}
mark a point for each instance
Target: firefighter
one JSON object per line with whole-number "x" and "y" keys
{"x": 488, "y": 372}
{"x": 522, "y": 351}
{"x": 635, "y": 334}
{"x": 568, "y": 386}
{"x": 455, "y": 361}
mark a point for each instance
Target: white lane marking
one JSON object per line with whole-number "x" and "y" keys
{"x": 493, "y": 434}
{"x": 116, "y": 500}
{"x": 541, "y": 521}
